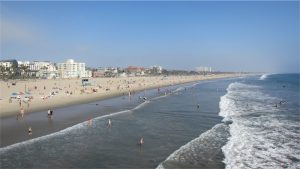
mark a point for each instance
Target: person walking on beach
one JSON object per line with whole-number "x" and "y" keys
{"x": 29, "y": 131}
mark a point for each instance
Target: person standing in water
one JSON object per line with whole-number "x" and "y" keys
{"x": 109, "y": 123}
{"x": 141, "y": 141}
{"x": 29, "y": 131}
{"x": 89, "y": 122}
{"x": 22, "y": 112}
{"x": 49, "y": 113}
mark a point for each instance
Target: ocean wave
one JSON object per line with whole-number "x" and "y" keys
{"x": 199, "y": 152}
{"x": 264, "y": 76}
{"x": 67, "y": 130}
{"x": 258, "y": 138}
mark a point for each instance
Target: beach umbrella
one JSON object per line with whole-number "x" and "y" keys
{"x": 14, "y": 93}
{"x": 28, "y": 93}
{"x": 21, "y": 93}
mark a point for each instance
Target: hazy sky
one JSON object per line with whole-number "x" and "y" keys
{"x": 228, "y": 36}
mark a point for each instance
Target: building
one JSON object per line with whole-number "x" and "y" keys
{"x": 156, "y": 69}
{"x": 203, "y": 69}
{"x": 40, "y": 69}
{"x": 23, "y": 63}
{"x": 88, "y": 73}
{"x": 10, "y": 64}
{"x": 71, "y": 69}
{"x": 135, "y": 71}
{"x": 99, "y": 72}
{"x": 9, "y": 67}
{"x": 42, "y": 65}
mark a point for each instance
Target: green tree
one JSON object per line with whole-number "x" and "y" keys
{"x": 24, "y": 71}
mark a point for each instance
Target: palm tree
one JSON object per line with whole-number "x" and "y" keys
{"x": 24, "y": 70}
{"x": 3, "y": 71}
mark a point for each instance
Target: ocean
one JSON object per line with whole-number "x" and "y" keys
{"x": 244, "y": 122}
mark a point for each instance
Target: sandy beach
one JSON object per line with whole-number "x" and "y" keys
{"x": 42, "y": 94}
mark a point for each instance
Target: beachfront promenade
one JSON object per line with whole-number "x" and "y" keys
{"x": 37, "y": 95}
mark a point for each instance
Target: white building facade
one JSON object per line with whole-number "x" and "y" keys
{"x": 37, "y": 66}
{"x": 203, "y": 69}
{"x": 6, "y": 64}
{"x": 156, "y": 69}
{"x": 72, "y": 69}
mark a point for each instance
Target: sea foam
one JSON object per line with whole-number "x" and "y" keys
{"x": 258, "y": 138}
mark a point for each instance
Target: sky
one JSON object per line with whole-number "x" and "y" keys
{"x": 227, "y": 36}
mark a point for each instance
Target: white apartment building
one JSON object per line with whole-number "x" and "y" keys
{"x": 72, "y": 69}
{"x": 25, "y": 63}
{"x": 41, "y": 69}
{"x": 45, "y": 66}
{"x": 9, "y": 63}
{"x": 157, "y": 69}
{"x": 203, "y": 69}
{"x": 6, "y": 64}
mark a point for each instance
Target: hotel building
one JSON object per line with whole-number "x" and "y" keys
{"x": 72, "y": 69}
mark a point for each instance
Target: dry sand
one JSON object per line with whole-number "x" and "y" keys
{"x": 70, "y": 91}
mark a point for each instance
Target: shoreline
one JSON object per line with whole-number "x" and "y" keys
{"x": 135, "y": 84}
{"x": 129, "y": 119}
{"x": 68, "y": 116}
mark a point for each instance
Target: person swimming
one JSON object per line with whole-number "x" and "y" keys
{"x": 282, "y": 102}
